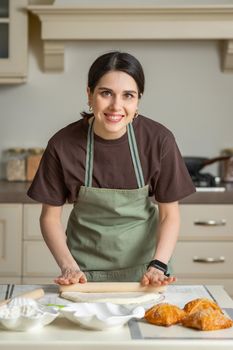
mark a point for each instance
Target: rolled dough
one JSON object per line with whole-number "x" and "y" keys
{"x": 116, "y": 298}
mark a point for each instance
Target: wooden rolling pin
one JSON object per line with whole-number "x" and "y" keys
{"x": 109, "y": 287}
{"x": 34, "y": 294}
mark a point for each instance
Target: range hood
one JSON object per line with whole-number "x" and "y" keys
{"x": 82, "y": 20}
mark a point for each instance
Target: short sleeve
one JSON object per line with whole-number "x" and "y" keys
{"x": 174, "y": 181}
{"x": 48, "y": 185}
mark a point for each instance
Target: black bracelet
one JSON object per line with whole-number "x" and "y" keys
{"x": 159, "y": 265}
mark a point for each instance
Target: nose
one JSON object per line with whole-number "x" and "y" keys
{"x": 116, "y": 103}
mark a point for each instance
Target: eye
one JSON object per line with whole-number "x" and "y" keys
{"x": 106, "y": 93}
{"x": 128, "y": 95}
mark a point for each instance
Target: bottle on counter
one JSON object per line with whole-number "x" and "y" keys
{"x": 15, "y": 163}
{"x": 226, "y": 167}
{"x": 33, "y": 160}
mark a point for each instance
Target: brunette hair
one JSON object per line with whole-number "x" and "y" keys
{"x": 115, "y": 61}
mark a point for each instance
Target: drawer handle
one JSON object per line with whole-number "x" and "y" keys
{"x": 209, "y": 260}
{"x": 210, "y": 222}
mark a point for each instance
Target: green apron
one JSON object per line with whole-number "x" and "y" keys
{"x": 111, "y": 232}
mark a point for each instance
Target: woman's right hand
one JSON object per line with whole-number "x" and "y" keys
{"x": 71, "y": 276}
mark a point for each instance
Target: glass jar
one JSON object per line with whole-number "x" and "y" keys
{"x": 33, "y": 160}
{"x": 15, "y": 164}
{"x": 226, "y": 168}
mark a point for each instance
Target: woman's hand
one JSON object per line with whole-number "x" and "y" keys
{"x": 154, "y": 276}
{"x": 71, "y": 276}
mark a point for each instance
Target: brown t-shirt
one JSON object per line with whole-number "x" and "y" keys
{"x": 62, "y": 168}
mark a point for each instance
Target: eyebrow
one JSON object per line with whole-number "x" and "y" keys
{"x": 128, "y": 91}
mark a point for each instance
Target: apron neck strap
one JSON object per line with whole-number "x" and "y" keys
{"x": 133, "y": 151}
{"x": 135, "y": 156}
{"x": 89, "y": 155}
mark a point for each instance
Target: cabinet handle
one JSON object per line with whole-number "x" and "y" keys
{"x": 210, "y": 222}
{"x": 209, "y": 260}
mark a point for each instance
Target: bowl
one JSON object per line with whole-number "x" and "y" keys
{"x": 23, "y": 314}
{"x": 101, "y": 316}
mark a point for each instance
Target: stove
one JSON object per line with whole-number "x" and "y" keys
{"x": 205, "y": 182}
{"x": 210, "y": 189}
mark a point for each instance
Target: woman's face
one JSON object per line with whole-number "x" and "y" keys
{"x": 114, "y": 102}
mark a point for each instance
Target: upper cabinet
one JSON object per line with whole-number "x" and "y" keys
{"x": 131, "y": 20}
{"x": 13, "y": 41}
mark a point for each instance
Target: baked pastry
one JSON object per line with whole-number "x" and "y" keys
{"x": 201, "y": 304}
{"x": 164, "y": 314}
{"x": 207, "y": 320}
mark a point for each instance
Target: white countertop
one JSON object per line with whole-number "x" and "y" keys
{"x": 137, "y": 335}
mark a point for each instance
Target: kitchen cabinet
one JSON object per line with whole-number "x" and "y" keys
{"x": 203, "y": 254}
{"x": 13, "y": 41}
{"x": 24, "y": 256}
{"x": 39, "y": 265}
{"x": 10, "y": 242}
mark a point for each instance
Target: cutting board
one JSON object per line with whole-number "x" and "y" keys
{"x": 109, "y": 287}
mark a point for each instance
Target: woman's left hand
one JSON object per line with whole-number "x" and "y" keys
{"x": 154, "y": 276}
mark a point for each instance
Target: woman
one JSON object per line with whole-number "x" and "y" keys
{"x": 108, "y": 164}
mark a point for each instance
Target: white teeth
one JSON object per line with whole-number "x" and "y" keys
{"x": 114, "y": 117}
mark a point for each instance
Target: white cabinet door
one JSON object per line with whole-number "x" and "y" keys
{"x": 11, "y": 280}
{"x": 206, "y": 221}
{"x": 31, "y": 216}
{"x": 38, "y": 261}
{"x": 13, "y": 41}
{"x": 203, "y": 259}
{"x": 203, "y": 254}
{"x": 10, "y": 240}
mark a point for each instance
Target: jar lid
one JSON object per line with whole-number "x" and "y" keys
{"x": 16, "y": 150}
{"x": 36, "y": 150}
{"x": 228, "y": 151}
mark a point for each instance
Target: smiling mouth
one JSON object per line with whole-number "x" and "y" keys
{"x": 113, "y": 117}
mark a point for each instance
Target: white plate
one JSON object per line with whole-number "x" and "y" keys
{"x": 101, "y": 316}
{"x": 23, "y": 314}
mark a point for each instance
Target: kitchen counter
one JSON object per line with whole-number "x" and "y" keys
{"x": 137, "y": 334}
{"x": 16, "y": 192}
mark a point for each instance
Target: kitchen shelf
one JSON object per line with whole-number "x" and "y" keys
{"x": 132, "y": 21}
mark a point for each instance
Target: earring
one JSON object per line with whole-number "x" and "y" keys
{"x": 90, "y": 109}
{"x": 136, "y": 114}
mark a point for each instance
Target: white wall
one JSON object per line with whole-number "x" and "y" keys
{"x": 185, "y": 90}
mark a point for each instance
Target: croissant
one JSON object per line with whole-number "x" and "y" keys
{"x": 164, "y": 314}
{"x": 207, "y": 320}
{"x": 201, "y": 304}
